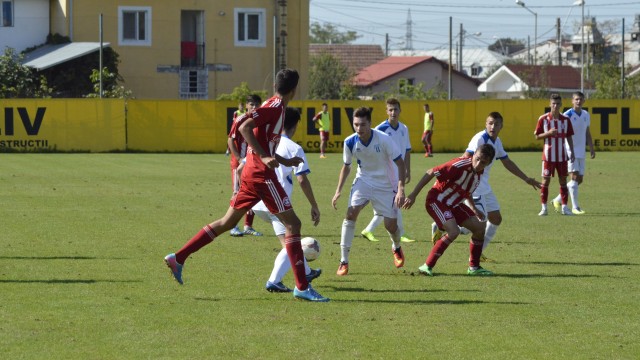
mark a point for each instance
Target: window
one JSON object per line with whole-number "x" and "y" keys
{"x": 476, "y": 69}
{"x": 7, "y": 13}
{"x": 134, "y": 25}
{"x": 250, "y": 27}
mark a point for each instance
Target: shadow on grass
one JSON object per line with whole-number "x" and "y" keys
{"x": 394, "y": 301}
{"x": 579, "y": 263}
{"x": 66, "y": 281}
{"x": 56, "y": 258}
{"x": 356, "y": 289}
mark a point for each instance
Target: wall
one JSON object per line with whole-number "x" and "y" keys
{"x": 30, "y": 25}
{"x": 202, "y": 126}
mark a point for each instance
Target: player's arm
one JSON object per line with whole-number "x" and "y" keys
{"x": 472, "y": 205}
{"x": 590, "y": 143}
{"x": 305, "y": 185}
{"x": 515, "y": 170}
{"x": 246, "y": 129}
{"x": 399, "y": 200}
{"x": 570, "y": 143}
{"x": 411, "y": 198}
{"x": 540, "y": 134}
{"x": 407, "y": 166}
{"x": 294, "y": 161}
{"x": 317, "y": 117}
{"x": 233, "y": 149}
{"x": 344, "y": 173}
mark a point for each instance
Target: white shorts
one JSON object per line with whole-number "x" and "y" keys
{"x": 486, "y": 203}
{"x": 278, "y": 226}
{"x": 576, "y": 166}
{"x": 381, "y": 200}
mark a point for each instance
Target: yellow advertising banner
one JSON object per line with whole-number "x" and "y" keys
{"x": 97, "y": 125}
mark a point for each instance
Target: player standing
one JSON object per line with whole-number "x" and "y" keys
{"x": 580, "y": 121}
{"x": 288, "y": 149}
{"x": 324, "y": 126}
{"x": 377, "y": 181}
{"x": 238, "y": 149}
{"x": 554, "y": 128}
{"x": 449, "y": 204}
{"x": 261, "y": 129}
{"x": 428, "y": 131}
{"x": 399, "y": 132}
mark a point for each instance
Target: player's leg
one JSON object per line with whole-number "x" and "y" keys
{"x": 444, "y": 219}
{"x": 576, "y": 171}
{"x": 367, "y": 233}
{"x": 547, "y": 171}
{"x": 235, "y": 186}
{"x": 477, "y": 229}
{"x": 562, "y": 170}
{"x": 425, "y": 143}
{"x": 429, "y": 146}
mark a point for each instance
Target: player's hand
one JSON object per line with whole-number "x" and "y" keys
{"x": 593, "y": 154}
{"x": 552, "y": 131}
{"x": 399, "y": 200}
{"x": 334, "y": 201}
{"x": 270, "y": 162}
{"x": 572, "y": 157}
{"x": 408, "y": 202}
{"x": 315, "y": 215}
{"x": 407, "y": 178}
{"x": 533, "y": 182}
{"x": 481, "y": 216}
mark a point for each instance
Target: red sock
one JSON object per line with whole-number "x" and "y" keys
{"x": 202, "y": 238}
{"x": 475, "y": 251}
{"x": 296, "y": 257}
{"x": 437, "y": 250}
{"x": 248, "y": 219}
{"x": 544, "y": 194}
{"x": 564, "y": 194}
{"x": 429, "y": 149}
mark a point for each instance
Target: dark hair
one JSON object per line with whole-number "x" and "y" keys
{"x": 578, "y": 93}
{"x": 286, "y": 81}
{"x": 393, "y": 101}
{"x": 254, "y": 99}
{"x": 363, "y": 112}
{"x": 325, "y": 104}
{"x": 496, "y": 116}
{"x": 291, "y": 117}
{"x": 487, "y": 151}
{"x": 425, "y": 105}
{"x": 555, "y": 96}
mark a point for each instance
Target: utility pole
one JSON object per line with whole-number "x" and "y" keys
{"x": 460, "y": 52}
{"x": 559, "y": 41}
{"x": 450, "y": 56}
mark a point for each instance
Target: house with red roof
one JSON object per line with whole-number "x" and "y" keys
{"x": 395, "y": 71}
{"x": 354, "y": 56}
{"x": 513, "y": 81}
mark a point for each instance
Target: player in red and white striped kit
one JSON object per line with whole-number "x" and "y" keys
{"x": 555, "y": 128}
{"x": 449, "y": 203}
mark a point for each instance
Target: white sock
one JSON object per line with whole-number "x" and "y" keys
{"x": 346, "y": 239}
{"x": 280, "y": 266}
{"x": 544, "y": 206}
{"x": 489, "y": 234}
{"x": 375, "y": 222}
{"x": 573, "y": 193}
{"x": 557, "y": 199}
{"x": 395, "y": 239}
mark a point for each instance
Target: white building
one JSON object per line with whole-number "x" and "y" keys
{"x": 25, "y": 23}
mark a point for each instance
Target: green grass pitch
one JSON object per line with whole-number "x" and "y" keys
{"x": 82, "y": 277}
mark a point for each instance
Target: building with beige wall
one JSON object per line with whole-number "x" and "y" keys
{"x": 194, "y": 49}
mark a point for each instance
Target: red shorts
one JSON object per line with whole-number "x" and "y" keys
{"x": 426, "y": 136}
{"x": 269, "y": 191}
{"x": 549, "y": 167}
{"x": 324, "y": 136}
{"x": 442, "y": 213}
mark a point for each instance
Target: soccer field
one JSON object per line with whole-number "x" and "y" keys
{"x": 82, "y": 276}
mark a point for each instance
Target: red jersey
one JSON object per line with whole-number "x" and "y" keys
{"x": 269, "y": 121}
{"x": 238, "y": 142}
{"x": 456, "y": 181}
{"x": 554, "y": 150}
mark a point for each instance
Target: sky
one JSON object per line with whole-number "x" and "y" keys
{"x": 483, "y": 21}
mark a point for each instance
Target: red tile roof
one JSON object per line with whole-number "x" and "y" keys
{"x": 547, "y": 76}
{"x": 388, "y": 67}
{"x": 355, "y": 57}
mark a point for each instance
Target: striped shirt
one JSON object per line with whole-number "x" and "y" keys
{"x": 553, "y": 150}
{"x": 456, "y": 181}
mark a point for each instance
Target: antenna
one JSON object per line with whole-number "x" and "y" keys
{"x": 408, "y": 43}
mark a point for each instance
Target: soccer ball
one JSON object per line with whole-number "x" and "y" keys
{"x": 310, "y": 248}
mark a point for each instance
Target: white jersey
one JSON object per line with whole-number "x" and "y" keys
{"x": 400, "y": 135}
{"x": 287, "y": 149}
{"x": 580, "y": 123}
{"x": 482, "y": 138}
{"x": 375, "y": 159}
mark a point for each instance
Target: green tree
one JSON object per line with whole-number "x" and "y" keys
{"x": 329, "y": 34}
{"x": 329, "y": 78}
{"x": 241, "y": 92}
{"x": 110, "y": 85}
{"x": 19, "y": 81}
{"x": 608, "y": 85}
{"x": 402, "y": 90}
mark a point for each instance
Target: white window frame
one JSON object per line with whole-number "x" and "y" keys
{"x": 262, "y": 27}
{"x": 12, "y": 6}
{"x": 147, "y": 28}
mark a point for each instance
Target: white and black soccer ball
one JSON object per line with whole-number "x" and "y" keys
{"x": 310, "y": 248}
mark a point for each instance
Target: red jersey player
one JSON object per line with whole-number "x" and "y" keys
{"x": 261, "y": 130}
{"x": 554, "y": 128}
{"x": 449, "y": 204}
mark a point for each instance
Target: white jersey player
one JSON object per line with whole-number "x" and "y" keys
{"x": 288, "y": 149}
{"x": 580, "y": 121}
{"x": 379, "y": 179}
{"x": 400, "y": 135}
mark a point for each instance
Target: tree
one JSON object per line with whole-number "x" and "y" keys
{"x": 402, "y": 90}
{"x": 241, "y": 92}
{"x": 329, "y": 78}
{"x": 110, "y": 85}
{"x": 328, "y": 34}
{"x": 606, "y": 78}
{"x": 506, "y": 45}
{"x": 19, "y": 81}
